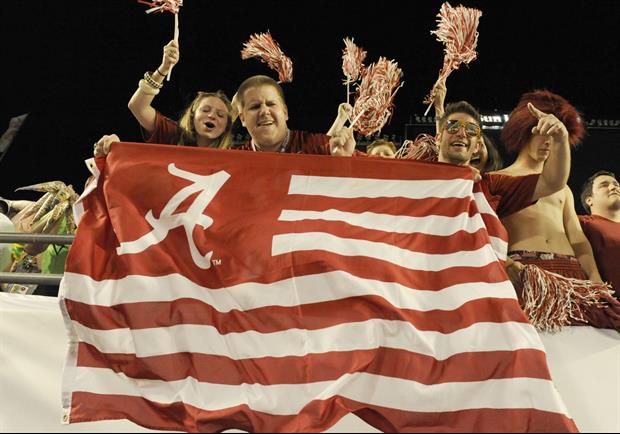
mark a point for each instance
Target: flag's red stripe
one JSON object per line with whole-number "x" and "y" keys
{"x": 312, "y": 316}
{"x": 316, "y": 261}
{"x": 317, "y": 416}
{"x": 495, "y": 228}
{"x": 416, "y": 242}
{"x": 389, "y": 362}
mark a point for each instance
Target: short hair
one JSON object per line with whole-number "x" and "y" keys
{"x": 586, "y": 190}
{"x": 494, "y": 159}
{"x": 186, "y": 122}
{"x": 256, "y": 81}
{"x": 380, "y": 142}
{"x": 518, "y": 130}
{"x": 459, "y": 107}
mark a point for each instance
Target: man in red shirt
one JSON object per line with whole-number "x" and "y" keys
{"x": 600, "y": 197}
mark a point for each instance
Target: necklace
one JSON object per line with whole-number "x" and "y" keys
{"x": 282, "y": 147}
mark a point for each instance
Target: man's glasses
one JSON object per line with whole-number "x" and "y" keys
{"x": 471, "y": 129}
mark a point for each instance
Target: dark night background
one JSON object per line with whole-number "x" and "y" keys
{"x": 74, "y": 65}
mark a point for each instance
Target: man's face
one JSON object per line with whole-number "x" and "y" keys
{"x": 458, "y": 139}
{"x": 264, "y": 115}
{"x": 539, "y": 147}
{"x": 605, "y": 194}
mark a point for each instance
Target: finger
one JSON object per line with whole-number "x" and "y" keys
{"x": 534, "y": 111}
{"x": 555, "y": 129}
{"x": 543, "y": 125}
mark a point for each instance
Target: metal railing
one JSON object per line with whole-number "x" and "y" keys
{"x": 32, "y": 278}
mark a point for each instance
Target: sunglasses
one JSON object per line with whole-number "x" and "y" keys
{"x": 471, "y": 129}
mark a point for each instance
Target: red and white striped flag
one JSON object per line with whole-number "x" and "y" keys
{"x": 208, "y": 290}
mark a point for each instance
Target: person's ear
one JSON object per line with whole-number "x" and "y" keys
{"x": 589, "y": 201}
{"x": 242, "y": 118}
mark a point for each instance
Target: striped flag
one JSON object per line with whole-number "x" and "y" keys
{"x": 208, "y": 290}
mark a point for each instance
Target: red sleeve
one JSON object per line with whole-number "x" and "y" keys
{"x": 167, "y": 131}
{"x": 509, "y": 194}
{"x": 302, "y": 142}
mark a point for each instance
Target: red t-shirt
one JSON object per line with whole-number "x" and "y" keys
{"x": 166, "y": 132}
{"x": 508, "y": 194}
{"x": 604, "y": 236}
{"x": 301, "y": 142}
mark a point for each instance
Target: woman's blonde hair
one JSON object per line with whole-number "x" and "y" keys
{"x": 188, "y": 136}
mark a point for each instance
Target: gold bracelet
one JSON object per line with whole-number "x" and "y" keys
{"x": 146, "y": 88}
{"x": 151, "y": 82}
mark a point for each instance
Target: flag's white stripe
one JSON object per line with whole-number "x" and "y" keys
{"x": 500, "y": 247}
{"x": 304, "y": 241}
{"x": 315, "y": 288}
{"x": 370, "y": 334}
{"x": 290, "y": 399}
{"x": 483, "y": 204}
{"x": 429, "y": 225}
{"x": 348, "y": 188}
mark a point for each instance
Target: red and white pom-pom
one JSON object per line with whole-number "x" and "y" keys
{"x": 163, "y": 5}
{"x": 423, "y": 148}
{"x": 457, "y": 28}
{"x": 352, "y": 60}
{"x": 263, "y": 46}
{"x": 375, "y": 96}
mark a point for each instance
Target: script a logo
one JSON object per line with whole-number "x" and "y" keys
{"x": 208, "y": 186}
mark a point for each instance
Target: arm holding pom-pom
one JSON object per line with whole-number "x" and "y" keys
{"x": 439, "y": 102}
{"x": 140, "y": 102}
{"x": 342, "y": 143}
{"x": 344, "y": 115}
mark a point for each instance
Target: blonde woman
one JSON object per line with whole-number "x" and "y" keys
{"x": 206, "y": 122}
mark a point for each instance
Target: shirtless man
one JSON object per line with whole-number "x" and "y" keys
{"x": 551, "y": 225}
{"x": 548, "y": 233}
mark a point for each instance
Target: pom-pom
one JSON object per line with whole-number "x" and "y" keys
{"x": 423, "y": 148}
{"x": 352, "y": 61}
{"x": 375, "y": 96}
{"x": 163, "y": 5}
{"x": 551, "y": 300}
{"x": 457, "y": 28}
{"x": 263, "y": 46}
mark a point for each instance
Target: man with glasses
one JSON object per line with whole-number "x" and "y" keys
{"x": 458, "y": 139}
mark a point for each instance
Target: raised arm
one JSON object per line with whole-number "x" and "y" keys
{"x": 578, "y": 240}
{"x": 439, "y": 101}
{"x": 342, "y": 143}
{"x": 557, "y": 167}
{"x": 140, "y": 102}
{"x": 344, "y": 114}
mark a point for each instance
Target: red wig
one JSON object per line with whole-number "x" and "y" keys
{"x": 518, "y": 130}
